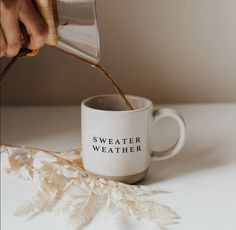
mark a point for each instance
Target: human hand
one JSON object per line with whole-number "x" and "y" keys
{"x": 11, "y": 38}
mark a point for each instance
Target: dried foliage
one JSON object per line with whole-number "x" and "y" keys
{"x": 65, "y": 188}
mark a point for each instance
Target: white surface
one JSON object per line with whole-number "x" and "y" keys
{"x": 202, "y": 177}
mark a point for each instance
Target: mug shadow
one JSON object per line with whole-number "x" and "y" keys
{"x": 190, "y": 160}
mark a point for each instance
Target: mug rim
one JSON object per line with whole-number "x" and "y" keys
{"x": 148, "y": 106}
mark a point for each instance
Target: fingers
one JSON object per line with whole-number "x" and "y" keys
{"x": 11, "y": 11}
{"x": 34, "y": 23}
{"x": 3, "y": 43}
{"x": 10, "y": 28}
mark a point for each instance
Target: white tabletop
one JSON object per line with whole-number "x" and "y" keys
{"x": 202, "y": 177}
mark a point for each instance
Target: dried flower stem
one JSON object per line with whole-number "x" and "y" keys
{"x": 72, "y": 191}
{"x": 54, "y": 154}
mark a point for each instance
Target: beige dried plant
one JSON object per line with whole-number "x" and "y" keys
{"x": 65, "y": 188}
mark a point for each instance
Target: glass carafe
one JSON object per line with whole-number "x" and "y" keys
{"x": 72, "y": 26}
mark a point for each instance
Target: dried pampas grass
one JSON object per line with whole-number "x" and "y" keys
{"x": 65, "y": 188}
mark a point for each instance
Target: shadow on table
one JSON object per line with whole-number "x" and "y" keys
{"x": 191, "y": 159}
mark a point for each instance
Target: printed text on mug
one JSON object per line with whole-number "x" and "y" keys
{"x": 116, "y": 145}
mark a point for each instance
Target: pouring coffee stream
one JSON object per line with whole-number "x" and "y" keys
{"x": 106, "y": 74}
{"x": 72, "y": 30}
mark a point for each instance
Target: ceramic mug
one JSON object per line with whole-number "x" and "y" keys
{"x": 116, "y": 142}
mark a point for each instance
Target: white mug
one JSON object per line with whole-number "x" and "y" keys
{"x": 116, "y": 142}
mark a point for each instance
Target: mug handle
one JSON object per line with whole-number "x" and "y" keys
{"x": 172, "y": 151}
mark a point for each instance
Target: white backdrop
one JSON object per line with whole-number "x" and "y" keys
{"x": 168, "y": 50}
